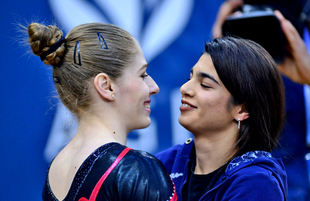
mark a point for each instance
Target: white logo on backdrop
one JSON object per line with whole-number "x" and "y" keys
{"x": 154, "y": 23}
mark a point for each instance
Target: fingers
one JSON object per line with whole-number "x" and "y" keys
{"x": 289, "y": 30}
{"x": 225, "y": 10}
{"x": 296, "y": 44}
{"x": 297, "y": 65}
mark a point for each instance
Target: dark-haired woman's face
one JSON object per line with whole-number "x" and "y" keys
{"x": 204, "y": 101}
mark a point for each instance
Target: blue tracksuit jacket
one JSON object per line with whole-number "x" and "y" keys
{"x": 255, "y": 176}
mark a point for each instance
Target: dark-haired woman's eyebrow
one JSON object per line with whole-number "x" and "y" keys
{"x": 206, "y": 75}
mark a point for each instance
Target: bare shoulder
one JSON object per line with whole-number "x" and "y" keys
{"x": 63, "y": 170}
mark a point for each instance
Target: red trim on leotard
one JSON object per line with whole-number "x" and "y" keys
{"x": 95, "y": 191}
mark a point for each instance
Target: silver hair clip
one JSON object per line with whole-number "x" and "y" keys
{"x": 77, "y": 45}
{"x": 101, "y": 40}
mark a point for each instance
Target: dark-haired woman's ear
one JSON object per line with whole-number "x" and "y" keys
{"x": 242, "y": 113}
{"x": 103, "y": 85}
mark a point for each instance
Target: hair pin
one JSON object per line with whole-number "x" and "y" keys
{"x": 101, "y": 40}
{"x": 77, "y": 45}
{"x": 56, "y": 79}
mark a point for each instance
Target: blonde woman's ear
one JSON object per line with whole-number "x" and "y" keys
{"x": 103, "y": 85}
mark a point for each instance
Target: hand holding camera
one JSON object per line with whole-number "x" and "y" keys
{"x": 270, "y": 29}
{"x": 296, "y": 64}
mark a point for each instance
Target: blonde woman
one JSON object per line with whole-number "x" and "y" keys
{"x": 100, "y": 74}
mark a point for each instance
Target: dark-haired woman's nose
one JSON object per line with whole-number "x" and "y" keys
{"x": 186, "y": 89}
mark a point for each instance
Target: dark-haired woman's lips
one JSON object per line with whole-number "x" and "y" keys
{"x": 186, "y": 106}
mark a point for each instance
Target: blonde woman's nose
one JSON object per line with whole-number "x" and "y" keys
{"x": 154, "y": 89}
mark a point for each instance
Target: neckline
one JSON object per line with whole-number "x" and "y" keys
{"x": 87, "y": 163}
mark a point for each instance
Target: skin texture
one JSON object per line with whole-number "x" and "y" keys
{"x": 296, "y": 64}
{"x": 133, "y": 94}
{"x": 204, "y": 112}
{"x": 208, "y": 99}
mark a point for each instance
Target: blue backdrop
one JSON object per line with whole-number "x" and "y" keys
{"x": 172, "y": 35}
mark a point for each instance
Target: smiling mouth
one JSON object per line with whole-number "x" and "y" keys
{"x": 147, "y": 106}
{"x": 187, "y": 104}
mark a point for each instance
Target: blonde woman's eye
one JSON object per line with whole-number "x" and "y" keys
{"x": 144, "y": 75}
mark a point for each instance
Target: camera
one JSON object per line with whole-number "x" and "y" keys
{"x": 258, "y": 23}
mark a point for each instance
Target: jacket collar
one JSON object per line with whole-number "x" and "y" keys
{"x": 247, "y": 157}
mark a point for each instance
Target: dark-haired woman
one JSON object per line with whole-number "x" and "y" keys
{"x": 233, "y": 104}
{"x": 100, "y": 74}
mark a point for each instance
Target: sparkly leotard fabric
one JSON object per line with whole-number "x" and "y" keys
{"x": 139, "y": 176}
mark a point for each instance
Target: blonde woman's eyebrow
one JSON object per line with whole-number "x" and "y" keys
{"x": 143, "y": 67}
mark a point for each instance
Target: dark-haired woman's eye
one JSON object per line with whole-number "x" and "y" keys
{"x": 205, "y": 86}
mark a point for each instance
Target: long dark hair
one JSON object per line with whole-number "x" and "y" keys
{"x": 251, "y": 76}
